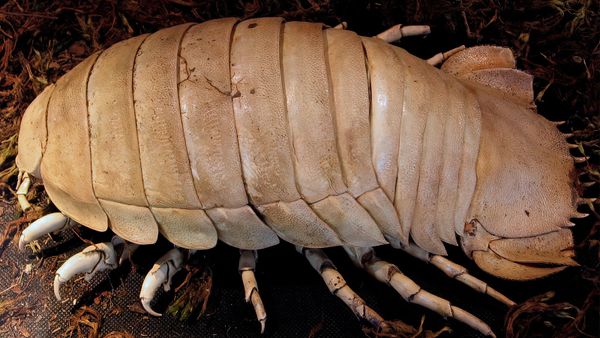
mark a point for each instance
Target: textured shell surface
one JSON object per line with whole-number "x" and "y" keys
{"x": 254, "y": 131}
{"x": 257, "y": 130}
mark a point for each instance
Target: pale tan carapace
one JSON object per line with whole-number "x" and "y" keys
{"x": 253, "y": 131}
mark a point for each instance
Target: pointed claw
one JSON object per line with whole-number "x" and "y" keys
{"x": 588, "y": 184}
{"x": 259, "y": 308}
{"x": 94, "y": 258}
{"x": 148, "y": 308}
{"x": 42, "y": 226}
{"x": 263, "y": 323}
{"x": 161, "y": 274}
{"x": 580, "y": 215}
{"x": 573, "y": 146}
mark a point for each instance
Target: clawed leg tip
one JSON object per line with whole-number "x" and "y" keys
{"x": 22, "y": 243}
{"x": 57, "y": 283}
{"x": 263, "y": 324}
{"x": 161, "y": 274}
{"x": 247, "y": 264}
{"x": 146, "y": 306}
{"x": 42, "y": 226}
{"x": 94, "y": 258}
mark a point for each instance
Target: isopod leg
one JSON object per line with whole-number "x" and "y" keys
{"x": 411, "y": 292}
{"x": 247, "y": 266}
{"x": 439, "y": 58}
{"x": 457, "y": 272}
{"x": 397, "y": 32}
{"x": 161, "y": 274}
{"x": 128, "y": 248}
{"x": 42, "y": 226}
{"x": 94, "y": 258}
{"x": 337, "y": 285}
{"x": 23, "y": 184}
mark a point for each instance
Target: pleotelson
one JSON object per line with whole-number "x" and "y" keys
{"x": 257, "y": 130}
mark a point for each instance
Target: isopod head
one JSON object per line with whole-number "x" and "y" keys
{"x": 517, "y": 225}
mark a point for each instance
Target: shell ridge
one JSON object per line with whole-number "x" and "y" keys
{"x": 466, "y": 193}
{"x": 135, "y": 119}
{"x": 70, "y": 191}
{"x": 423, "y": 228}
{"x": 131, "y": 221}
{"x": 89, "y": 131}
{"x": 178, "y": 73}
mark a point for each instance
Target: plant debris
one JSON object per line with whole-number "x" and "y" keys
{"x": 536, "y": 318}
{"x": 9, "y": 229}
{"x": 193, "y": 294}
{"x": 399, "y": 329}
{"x": 118, "y": 334}
{"x": 84, "y": 323}
{"x": 10, "y": 309}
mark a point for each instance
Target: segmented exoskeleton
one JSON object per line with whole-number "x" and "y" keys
{"x": 253, "y": 131}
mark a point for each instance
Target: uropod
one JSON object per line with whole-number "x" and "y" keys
{"x": 256, "y": 131}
